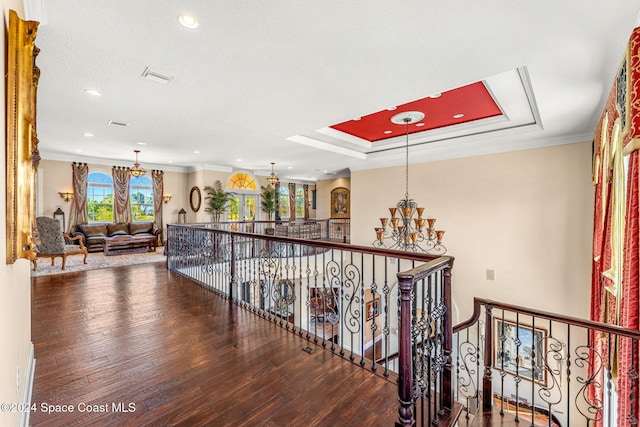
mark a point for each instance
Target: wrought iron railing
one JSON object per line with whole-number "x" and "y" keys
{"x": 363, "y": 303}
{"x": 329, "y": 229}
{"x": 541, "y": 367}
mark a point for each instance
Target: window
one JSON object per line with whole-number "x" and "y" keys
{"x": 141, "y": 198}
{"x": 243, "y": 204}
{"x": 242, "y": 181}
{"x": 284, "y": 202}
{"x": 99, "y": 197}
{"x": 299, "y": 202}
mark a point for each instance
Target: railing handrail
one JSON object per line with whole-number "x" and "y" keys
{"x": 561, "y": 318}
{"x": 392, "y": 253}
{"x": 422, "y": 271}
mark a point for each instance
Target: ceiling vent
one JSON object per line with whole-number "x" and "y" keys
{"x": 118, "y": 124}
{"x": 156, "y": 76}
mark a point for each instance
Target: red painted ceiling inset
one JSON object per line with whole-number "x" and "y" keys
{"x": 474, "y": 101}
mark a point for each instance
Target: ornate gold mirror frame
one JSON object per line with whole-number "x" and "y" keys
{"x": 22, "y": 142}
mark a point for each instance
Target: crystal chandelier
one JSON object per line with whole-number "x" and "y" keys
{"x": 408, "y": 230}
{"x": 137, "y": 170}
{"x": 273, "y": 178}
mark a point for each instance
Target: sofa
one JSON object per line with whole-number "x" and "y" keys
{"x": 96, "y": 234}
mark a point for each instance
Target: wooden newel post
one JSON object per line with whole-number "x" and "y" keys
{"x": 488, "y": 357}
{"x": 405, "y": 377}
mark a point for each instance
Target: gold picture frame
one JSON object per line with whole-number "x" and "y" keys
{"x": 340, "y": 203}
{"x": 22, "y": 155}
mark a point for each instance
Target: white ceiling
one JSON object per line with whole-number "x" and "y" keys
{"x": 256, "y": 75}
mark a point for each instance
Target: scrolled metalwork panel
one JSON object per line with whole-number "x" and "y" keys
{"x": 590, "y": 408}
{"x": 347, "y": 278}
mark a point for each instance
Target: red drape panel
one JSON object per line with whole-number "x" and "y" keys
{"x": 628, "y": 410}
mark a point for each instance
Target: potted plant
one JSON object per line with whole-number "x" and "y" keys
{"x": 269, "y": 204}
{"x": 216, "y": 200}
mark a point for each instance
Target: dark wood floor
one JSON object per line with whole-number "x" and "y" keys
{"x": 172, "y": 353}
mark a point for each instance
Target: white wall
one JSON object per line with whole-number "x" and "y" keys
{"x": 15, "y": 282}
{"x": 527, "y": 215}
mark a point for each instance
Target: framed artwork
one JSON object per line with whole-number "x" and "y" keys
{"x": 513, "y": 347}
{"x": 340, "y": 203}
{"x": 372, "y": 308}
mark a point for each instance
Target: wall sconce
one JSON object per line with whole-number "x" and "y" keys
{"x": 166, "y": 198}
{"x": 182, "y": 216}
{"x": 66, "y": 196}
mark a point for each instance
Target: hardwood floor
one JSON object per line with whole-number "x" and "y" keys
{"x": 143, "y": 347}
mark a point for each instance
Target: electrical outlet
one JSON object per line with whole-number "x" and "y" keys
{"x": 18, "y": 379}
{"x": 491, "y": 275}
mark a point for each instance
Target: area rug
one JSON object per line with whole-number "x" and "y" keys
{"x": 95, "y": 261}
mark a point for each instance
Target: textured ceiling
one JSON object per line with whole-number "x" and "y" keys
{"x": 265, "y": 81}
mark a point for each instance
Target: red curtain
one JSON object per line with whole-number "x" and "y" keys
{"x": 615, "y": 288}
{"x": 628, "y": 362}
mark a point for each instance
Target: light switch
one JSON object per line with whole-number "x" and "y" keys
{"x": 491, "y": 275}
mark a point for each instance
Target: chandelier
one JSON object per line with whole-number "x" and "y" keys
{"x": 273, "y": 178}
{"x": 408, "y": 230}
{"x": 137, "y": 170}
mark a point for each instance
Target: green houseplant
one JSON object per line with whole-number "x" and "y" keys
{"x": 269, "y": 204}
{"x": 269, "y": 200}
{"x": 216, "y": 200}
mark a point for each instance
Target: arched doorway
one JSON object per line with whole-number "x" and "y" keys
{"x": 245, "y": 202}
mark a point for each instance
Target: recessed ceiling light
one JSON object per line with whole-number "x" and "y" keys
{"x": 141, "y": 143}
{"x": 435, "y": 95}
{"x": 196, "y": 152}
{"x": 419, "y": 124}
{"x": 88, "y": 134}
{"x": 188, "y": 21}
{"x": 388, "y": 132}
{"x": 78, "y": 150}
{"x": 290, "y": 167}
{"x": 92, "y": 92}
{"x": 170, "y": 161}
{"x": 391, "y": 108}
{"x": 238, "y": 160}
{"x": 356, "y": 119}
{"x": 458, "y": 116}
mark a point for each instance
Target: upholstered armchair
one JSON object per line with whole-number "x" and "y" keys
{"x": 54, "y": 243}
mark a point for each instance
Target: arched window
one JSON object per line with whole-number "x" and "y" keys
{"x": 299, "y": 202}
{"x": 141, "y": 198}
{"x": 99, "y": 197}
{"x": 284, "y": 201}
{"x": 242, "y": 181}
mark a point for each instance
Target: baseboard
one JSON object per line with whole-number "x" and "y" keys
{"x": 369, "y": 344}
{"x": 27, "y": 390}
